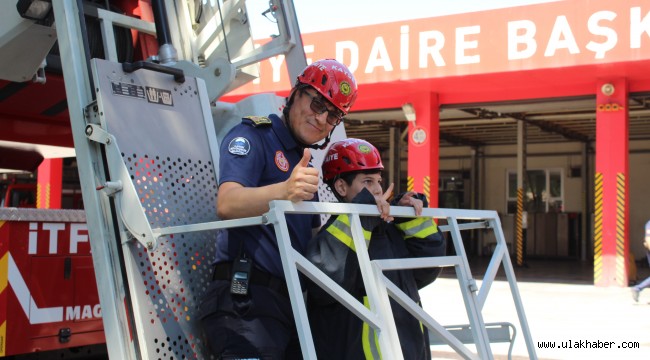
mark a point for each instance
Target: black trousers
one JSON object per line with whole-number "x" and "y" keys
{"x": 259, "y": 325}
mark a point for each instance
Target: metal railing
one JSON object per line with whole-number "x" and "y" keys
{"x": 378, "y": 287}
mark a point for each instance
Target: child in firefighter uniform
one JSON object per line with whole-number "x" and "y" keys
{"x": 352, "y": 170}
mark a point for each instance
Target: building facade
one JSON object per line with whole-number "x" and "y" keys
{"x": 541, "y": 108}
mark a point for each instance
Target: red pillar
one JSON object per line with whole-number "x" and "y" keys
{"x": 49, "y": 184}
{"x": 424, "y": 146}
{"x": 611, "y": 204}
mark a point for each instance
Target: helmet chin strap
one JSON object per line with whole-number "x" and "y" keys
{"x": 324, "y": 144}
{"x": 330, "y": 186}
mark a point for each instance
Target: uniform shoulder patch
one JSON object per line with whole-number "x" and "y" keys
{"x": 239, "y": 146}
{"x": 257, "y": 121}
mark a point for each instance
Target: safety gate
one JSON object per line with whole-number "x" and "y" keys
{"x": 159, "y": 145}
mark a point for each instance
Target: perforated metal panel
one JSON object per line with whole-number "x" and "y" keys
{"x": 166, "y": 144}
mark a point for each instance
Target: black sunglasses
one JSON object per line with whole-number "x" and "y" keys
{"x": 317, "y": 105}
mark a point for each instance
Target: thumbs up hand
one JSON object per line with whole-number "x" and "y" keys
{"x": 303, "y": 182}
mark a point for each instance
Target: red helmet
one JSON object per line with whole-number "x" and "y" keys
{"x": 350, "y": 155}
{"x": 333, "y": 80}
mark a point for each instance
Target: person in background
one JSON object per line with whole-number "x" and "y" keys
{"x": 352, "y": 170}
{"x": 246, "y": 312}
{"x": 636, "y": 290}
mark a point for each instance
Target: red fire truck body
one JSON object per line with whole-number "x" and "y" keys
{"x": 48, "y": 297}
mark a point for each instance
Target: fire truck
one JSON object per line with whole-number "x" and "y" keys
{"x": 50, "y": 304}
{"x": 143, "y": 82}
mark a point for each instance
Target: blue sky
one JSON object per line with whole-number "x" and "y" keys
{"x": 325, "y": 15}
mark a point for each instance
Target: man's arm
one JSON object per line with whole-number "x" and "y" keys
{"x": 236, "y": 201}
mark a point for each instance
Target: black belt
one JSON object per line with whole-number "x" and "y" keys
{"x": 222, "y": 271}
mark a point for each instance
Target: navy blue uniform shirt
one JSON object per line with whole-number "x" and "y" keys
{"x": 255, "y": 155}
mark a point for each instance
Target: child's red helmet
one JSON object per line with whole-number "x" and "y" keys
{"x": 350, "y": 155}
{"x": 333, "y": 80}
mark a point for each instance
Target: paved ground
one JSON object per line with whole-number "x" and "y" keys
{"x": 557, "y": 314}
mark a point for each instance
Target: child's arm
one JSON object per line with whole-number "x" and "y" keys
{"x": 333, "y": 252}
{"x": 421, "y": 235}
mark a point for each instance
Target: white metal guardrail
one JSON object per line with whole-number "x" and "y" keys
{"x": 379, "y": 288}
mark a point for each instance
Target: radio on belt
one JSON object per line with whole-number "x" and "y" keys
{"x": 241, "y": 272}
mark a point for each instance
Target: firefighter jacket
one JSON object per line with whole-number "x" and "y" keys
{"x": 337, "y": 332}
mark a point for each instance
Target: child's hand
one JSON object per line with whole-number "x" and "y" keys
{"x": 409, "y": 200}
{"x": 383, "y": 205}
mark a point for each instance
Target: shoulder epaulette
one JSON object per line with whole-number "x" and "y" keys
{"x": 257, "y": 121}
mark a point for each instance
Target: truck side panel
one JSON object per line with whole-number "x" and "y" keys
{"x": 49, "y": 296}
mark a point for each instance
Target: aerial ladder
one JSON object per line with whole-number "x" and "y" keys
{"x": 147, "y": 136}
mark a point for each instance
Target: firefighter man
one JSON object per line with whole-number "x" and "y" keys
{"x": 352, "y": 170}
{"x": 246, "y": 312}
